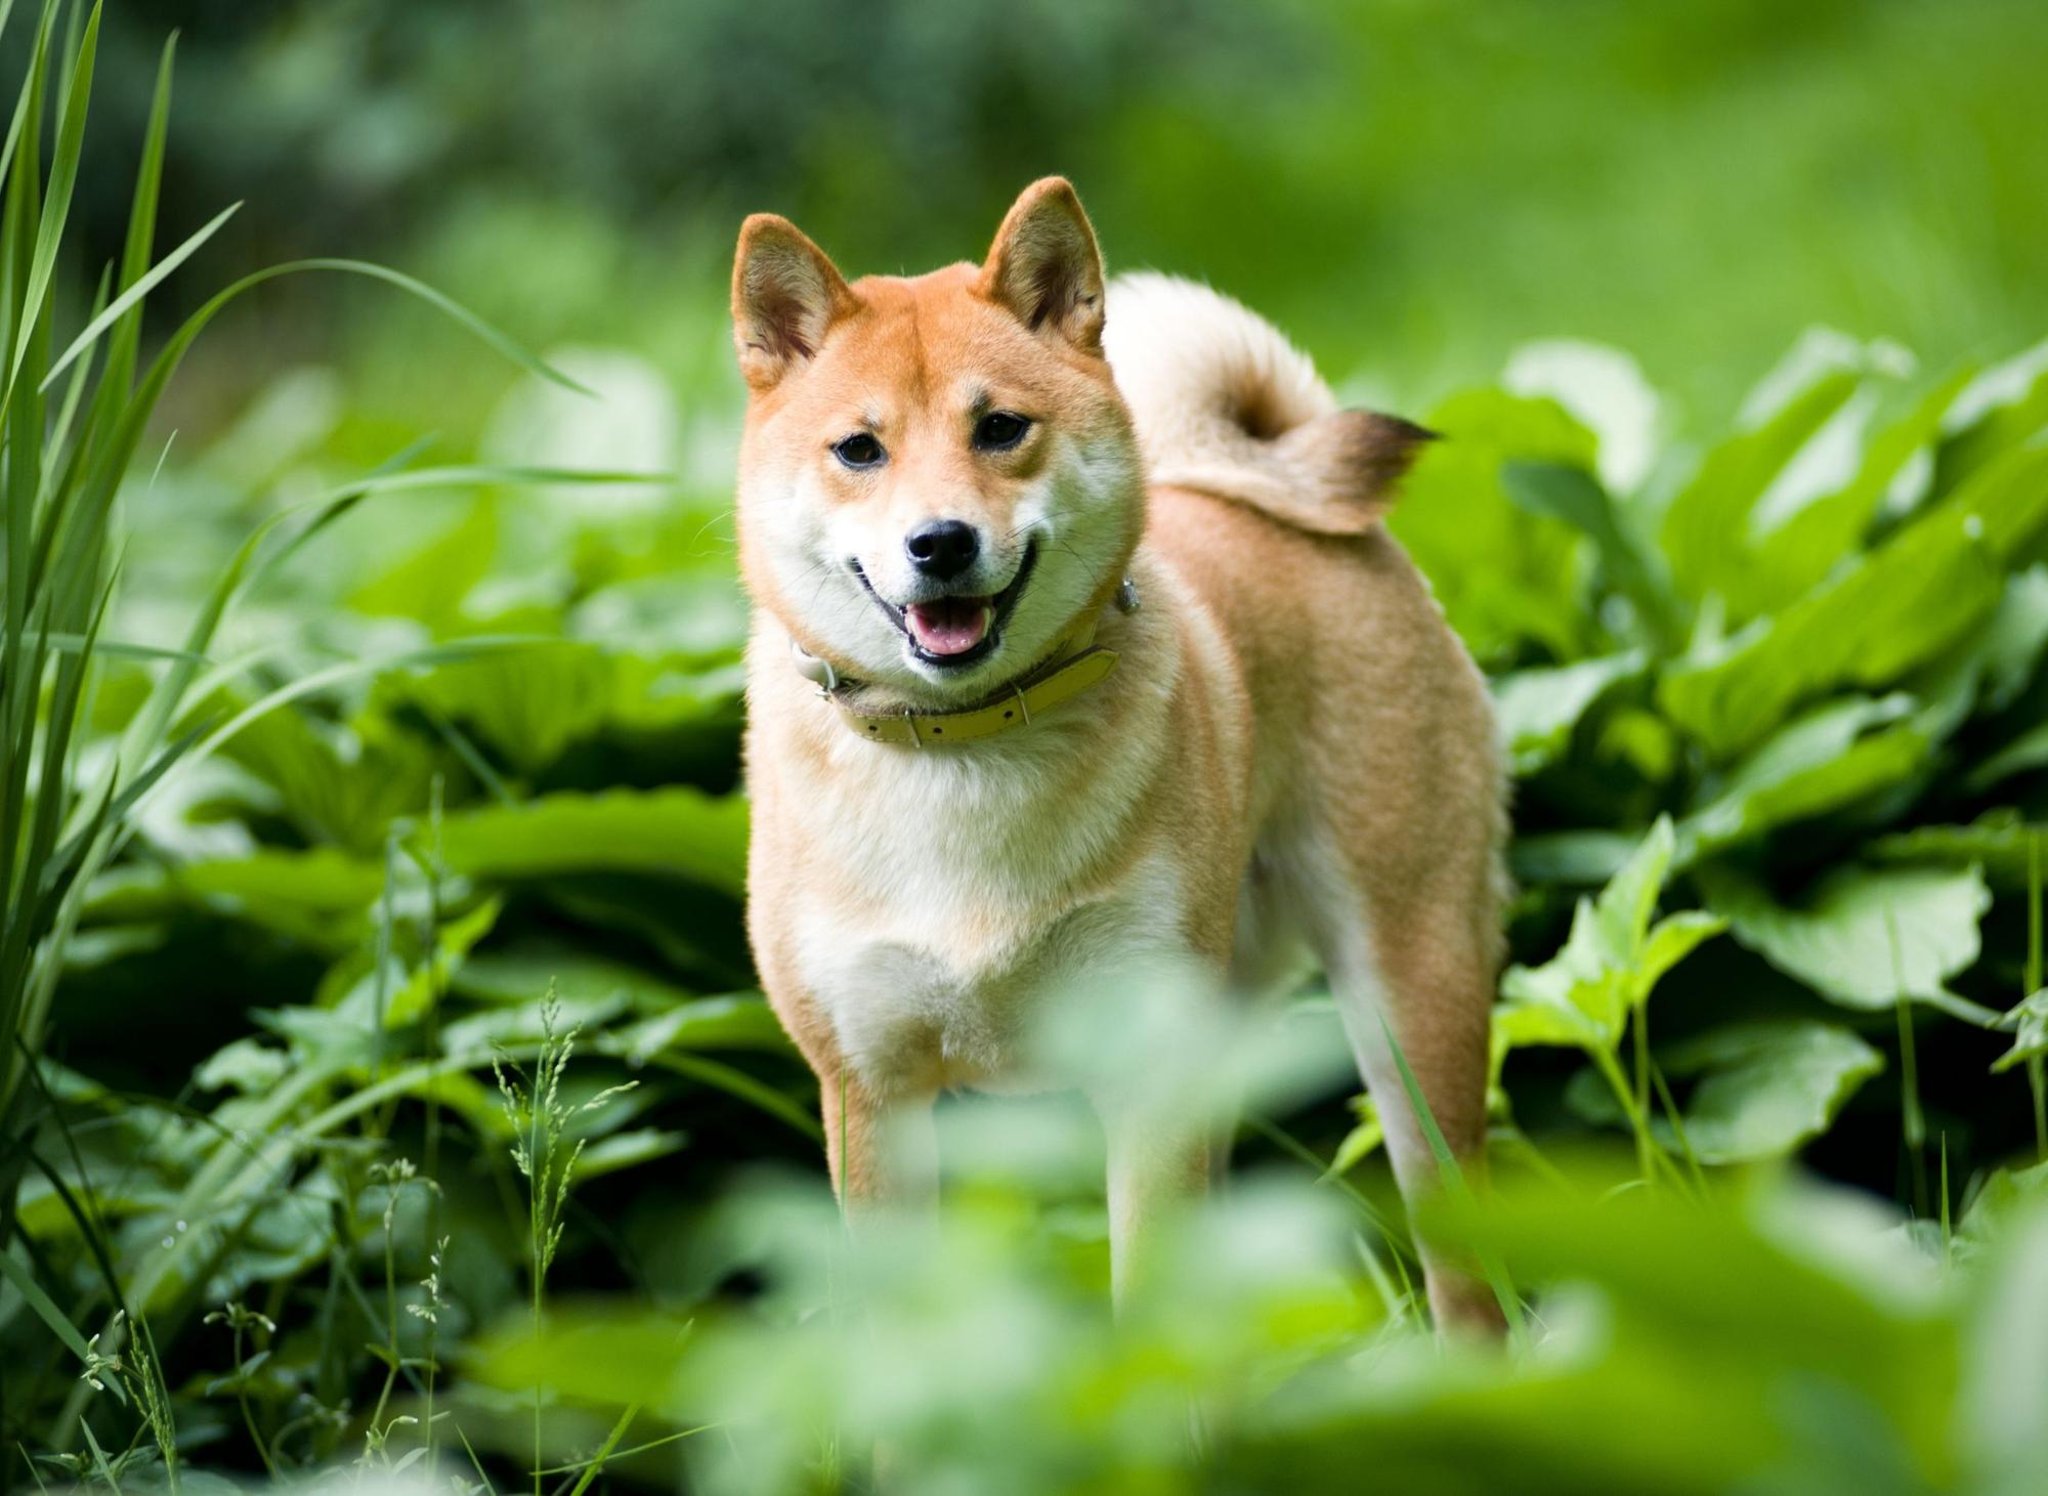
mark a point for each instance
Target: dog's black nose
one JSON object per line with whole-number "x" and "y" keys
{"x": 942, "y": 548}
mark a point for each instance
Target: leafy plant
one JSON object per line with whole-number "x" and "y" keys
{"x": 409, "y": 807}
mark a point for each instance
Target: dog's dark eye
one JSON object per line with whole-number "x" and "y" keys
{"x": 859, "y": 450}
{"x": 999, "y": 430}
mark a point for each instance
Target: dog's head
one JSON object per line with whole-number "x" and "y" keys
{"x": 938, "y": 474}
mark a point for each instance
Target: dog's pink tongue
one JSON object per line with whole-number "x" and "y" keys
{"x": 950, "y": 626}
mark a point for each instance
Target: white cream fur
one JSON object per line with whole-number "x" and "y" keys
{"x": 1191, "y": 363}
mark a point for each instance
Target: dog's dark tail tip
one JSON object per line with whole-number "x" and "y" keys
{"x": 1353, "y": 460}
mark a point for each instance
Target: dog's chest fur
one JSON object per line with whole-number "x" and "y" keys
{"x": 938, "y": 896}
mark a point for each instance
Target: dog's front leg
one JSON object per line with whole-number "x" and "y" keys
{"x": 1157, "y": 1164}
{"x": 881, "y": 1150}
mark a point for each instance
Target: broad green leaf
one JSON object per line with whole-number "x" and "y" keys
{"x": 1993, "y": 1205}
{"x": 247, "y": 1065}
{"x": 2003, "y": 1407}
{"x": 733, "y": 1022}
{"x": 1705, "y": 529}
{"x": 1669, "y": 942}
{"x": 2028, "y": 1023}
{"x": 1362, "y": 1141}
{"x": 1800, "y": 550}
{"x": 1865, "y": 938}
{"x": 527, "y": 1022}
{"x": 1526, "y": 1021}
{"x": 1988, "y": 670}
{"x": 1505, "y": 576}
{"x": 334, "y": 783}
{"x": 1572, "y": 858}
{"x": 2010, "y": 651}
{"x": 1604, "y": 390}
{"x": 626, "y": 1150}
{"x": 1818, "y": 353}
{"x": 602, "y": 1356}
{"x": 318, "y": 895}
{"x": 1760, "y": 1090}
{"x": 2003, "y": 842}
{"x": 1897, "y": 608}
{"x": 1833, "y": 756}
{"x": 2002, "y": 407}
{"x": 404, "y": 991}
{"x": 524, "y": 973}
{"x": 1631, "y": 566}
{"x": 1765, "y": 1090}
{"x": 2006, "y": 384}
{"x": 1537, "y": 709}
{"x": 707, "y": 951}
{"x": 1611, "y": 960}
{"x": 2023, "y": 755}
{"x": 698, "y": 617}
{"x": 1785, "y": 1302}
{"x": 430, "y": 585}
{"x": 676, "y": 832}
{"x": 528, "y": 707}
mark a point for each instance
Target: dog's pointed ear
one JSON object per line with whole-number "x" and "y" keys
{"x": 785, "y": 296}
{"x": 1045, "y": 267}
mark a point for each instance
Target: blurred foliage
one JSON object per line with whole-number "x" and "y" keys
{"x": 1410, "y": 185}
{"x": 458, "y": 774}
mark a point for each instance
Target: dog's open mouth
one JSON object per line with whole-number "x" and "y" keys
{"x": 958, "y": 630}
{"x": 951, "y": 626}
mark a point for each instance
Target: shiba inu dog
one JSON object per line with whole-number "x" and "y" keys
{"x": 1077, "y": 638}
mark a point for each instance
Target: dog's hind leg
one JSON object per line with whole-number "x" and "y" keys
{"x": 1413, "y": 960}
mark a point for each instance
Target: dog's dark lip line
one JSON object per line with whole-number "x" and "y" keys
{"x": 1005, "y": 604}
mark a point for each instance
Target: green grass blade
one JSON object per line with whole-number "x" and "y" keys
{"x": 67, "y": 408}
{"x": 117, "y": 452}
{"x": 642, "y": 1448}
{"x": 149, "y": 176}
{"x": 1456, "y": 1185}
{"x": 453, "y": 309}
{"x": 113, "y": 806}
{"x": 46, "y": 1310}
{"x": 1664, "y": 1097}
{"x": 74, "y": 643}
{"x": 604, "y": 1452}
{"x": 348, "y": 670}
{"x": 2037, "y": 1069}
{"x": 56, "y": 198}
{"x": 242, "y": 571}
{"x": 130, "y": 298}
{"x": 734, "y": 1082}
{"x": 1288, "y": 1143}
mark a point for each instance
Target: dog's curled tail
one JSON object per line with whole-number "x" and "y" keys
{"x": 1225, "y": 404}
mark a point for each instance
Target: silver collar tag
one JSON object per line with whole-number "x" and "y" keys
{"x": 1127, "y": 596}
{"x": 813, "y": 669}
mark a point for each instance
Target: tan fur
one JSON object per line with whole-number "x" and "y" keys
{"x": 1295, "y": 751}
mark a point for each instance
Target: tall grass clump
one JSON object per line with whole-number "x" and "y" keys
{"x": 74, "y": 421}
{"x": 77, "y": 396}
{"x": 545, "y": 1151}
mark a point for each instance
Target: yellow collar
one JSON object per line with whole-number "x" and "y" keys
{"x": 1075, "y": 665}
